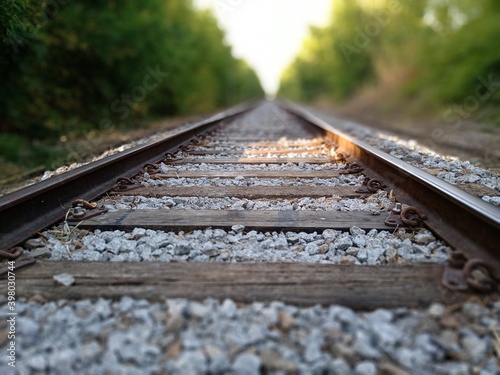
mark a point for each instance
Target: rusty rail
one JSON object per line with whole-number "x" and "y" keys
{"x": 466, "y": 222}
{"x": 26, "y": 211}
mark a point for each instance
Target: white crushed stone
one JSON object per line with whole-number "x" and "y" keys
{"x": 237, "y": 245}
{"x": 287, "y": 141}
{"x": 453, "y": 170}
{"x": 347, "y": 180}
{"x": 64, "y": 279}
{"x": 268, "y": 154}
{"x": 493, "y": 200}
{"x": 178, "y": 336}
{"x": 242, "y": 147}
{"x": 333, "y": 203}
{"x": 166, "y": 168}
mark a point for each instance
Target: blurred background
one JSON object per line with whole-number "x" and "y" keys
{"x": 77, "y": 77}
{"x": 435, "y": 59}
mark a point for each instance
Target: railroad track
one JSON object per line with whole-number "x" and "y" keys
{"x": 256, "y": 173}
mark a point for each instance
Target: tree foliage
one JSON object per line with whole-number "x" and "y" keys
{"x": 326, "y": 67}
{"x": 436, "y": 51}
{"x": 68, "y": 67}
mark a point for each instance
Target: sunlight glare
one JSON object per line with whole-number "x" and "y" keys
{"x": 268, "y": 34}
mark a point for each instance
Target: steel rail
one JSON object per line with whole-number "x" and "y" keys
{"x": 26, "y": 211}
{"x": 466, "y": 222}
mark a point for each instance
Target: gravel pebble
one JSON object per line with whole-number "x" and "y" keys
{"x": 247, "y": 364}
{"x": 64, "y": 279}
{"x": 134, "y": 336}
{"x": 365, "y": 368}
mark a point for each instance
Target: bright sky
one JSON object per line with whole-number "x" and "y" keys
{"x": 268, "y": 34}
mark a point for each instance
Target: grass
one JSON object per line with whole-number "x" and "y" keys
{"x": 22, "y": 159}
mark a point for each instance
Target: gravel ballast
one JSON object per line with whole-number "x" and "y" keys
{"x": 206, "y": 167}
{"x": 216, "y": 245}
{"x": 347, "y": 180}
{"x": 178, "y": 336}
{"x": 223, "y": 155}
{"x": 448, "y": 168}
{"x": 376, "y": 203}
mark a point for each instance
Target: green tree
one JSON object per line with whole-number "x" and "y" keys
{"x": 335, "y": 60}
{"x": 73, "y": 65}
{"x": 429, "y": 52}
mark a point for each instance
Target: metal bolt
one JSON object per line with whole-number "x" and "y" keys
{"x": 479, "y": 275}
{"x": 412, "y": 216}
{"x": 374, "y": 185}
{"x": 12, "y": 253}
{"x": 78, "y": 212}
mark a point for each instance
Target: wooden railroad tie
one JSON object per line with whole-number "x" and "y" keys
{"x": 357, "y": 287}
